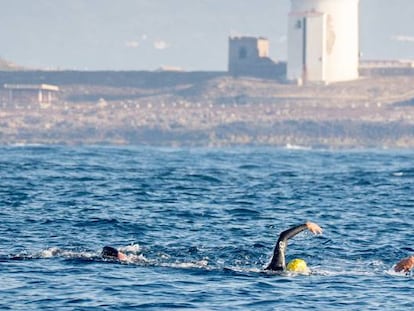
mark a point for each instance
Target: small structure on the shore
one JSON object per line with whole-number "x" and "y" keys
{"x": 31, "y": 93}
{"x": 249, "y": 56}
{"x": 377, "y": 68}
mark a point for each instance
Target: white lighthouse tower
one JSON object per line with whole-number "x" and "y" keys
{"x": 323, "y": 40}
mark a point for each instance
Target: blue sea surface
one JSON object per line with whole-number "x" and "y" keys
{"x": 199, "y": 226}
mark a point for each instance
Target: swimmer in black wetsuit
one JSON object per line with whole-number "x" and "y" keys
{"x": 109, "y": 252}
{"x": 405, "y": 265}
{"x": 278, "y": 262}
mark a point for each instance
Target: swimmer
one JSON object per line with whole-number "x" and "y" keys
{"x": 278, "y": 262}
{"x": 405, "y": 265}
{"x": 112, "y": 253}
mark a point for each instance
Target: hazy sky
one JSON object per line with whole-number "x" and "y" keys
{"x": 191, "y": 34}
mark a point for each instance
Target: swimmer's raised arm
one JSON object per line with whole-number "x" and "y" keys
{"x": 278, "y": 261}
{"x": 290, "y": 233}
{"x": 405, "y": 265}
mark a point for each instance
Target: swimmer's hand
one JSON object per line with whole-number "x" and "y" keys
{"x": 405, "y": 264}
{"x": 314, "y": 228}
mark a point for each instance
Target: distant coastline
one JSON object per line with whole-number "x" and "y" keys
{"x": 209, "y": 109}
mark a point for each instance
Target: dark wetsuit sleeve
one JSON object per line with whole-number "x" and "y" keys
{"x": 278, "y": 262}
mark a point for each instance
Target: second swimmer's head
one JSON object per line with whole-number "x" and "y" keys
{"x": 298, "y": 266}
{"x": 109, "y": 253}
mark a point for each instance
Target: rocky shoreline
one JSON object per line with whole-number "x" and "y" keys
{"x": 375, "y": 112}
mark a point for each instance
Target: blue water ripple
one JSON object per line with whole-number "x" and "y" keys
{"x": 203, "y": 223}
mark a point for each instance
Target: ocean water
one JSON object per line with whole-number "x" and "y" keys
{"x": 199, "y": 225}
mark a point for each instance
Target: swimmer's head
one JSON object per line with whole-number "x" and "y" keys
{"x": 109, "y": 253}
{"x": 298, "y": 266}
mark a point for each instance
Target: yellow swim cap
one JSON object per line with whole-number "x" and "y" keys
{"x": 297, "y": 265}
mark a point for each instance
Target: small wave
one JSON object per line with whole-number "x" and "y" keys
{"x": 57, "y": 252}
{"x": 188, "y": 265}
{"x": 243, "y": 212}
{"x": 205, "y": 178}
{"x": 343, "y": 272}
{"x": 249, "y": 167}
{"x": 53, "y": 252}
{"x": 50, "y": 252}
{"x": 404, "y": 173}
{"x": 134, "y": 248}
{"x": 132, "y": 258}
{"x": 297, "y": 147}
{"x": 392, "y": 272}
